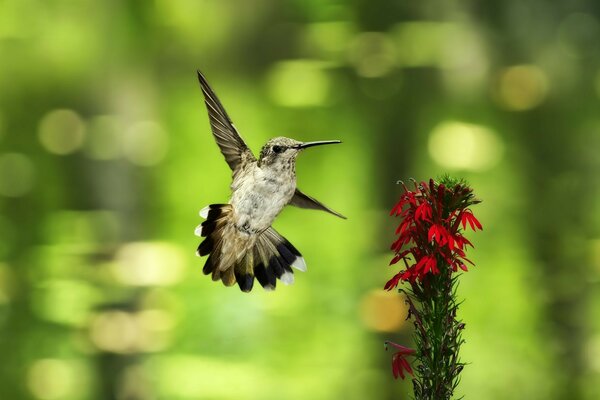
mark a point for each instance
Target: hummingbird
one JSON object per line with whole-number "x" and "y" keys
{"x": 238, "y": 237}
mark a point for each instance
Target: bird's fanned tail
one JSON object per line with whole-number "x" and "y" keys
{"x": 234, "y": 256}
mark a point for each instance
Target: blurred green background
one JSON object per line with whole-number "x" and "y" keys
{"x": 106, "y": 157}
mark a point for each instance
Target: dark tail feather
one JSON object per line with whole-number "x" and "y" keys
{"x": 271, "y": 258}
{"x": 209, "y": 267}
{"x": 211, "y": 229}
{"x": 265, "y": 276}
{"x": 244, "y": 272}
{"x": 275, "y": 256}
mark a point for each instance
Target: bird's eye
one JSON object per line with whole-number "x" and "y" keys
{"x": 277, "y": 149}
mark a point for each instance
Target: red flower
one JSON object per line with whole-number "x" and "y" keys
{"x": 392, "y": 283}
{"x": 467, "y": 216}
{"x": 423, "y": 212}
{"x": 430, "y": 237}
{"x": 399, "y": 361}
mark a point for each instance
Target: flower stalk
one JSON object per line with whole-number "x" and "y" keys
{"x": 432, "y": 246}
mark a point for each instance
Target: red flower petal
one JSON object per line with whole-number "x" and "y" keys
{"x": 404, "y": 363}
{"x": 423, "y": 212}
{"x": 399, "y": 365}
{"x": 449, "y": 239}
{"x": 467, "y": 216}
{"x": 392, "y": 283}
{"x": 395, "y": 368}
{"x": 399, "y": 256}
{"x": 432, "y": 265}
{"x": 403, "y": 349}
{"x": 407, "y": 276}
{"x": 403, "y": 226}
{"x": 396, "y": 209}
{"x": 420, "y": 265}
{"x": 431, "y": 233}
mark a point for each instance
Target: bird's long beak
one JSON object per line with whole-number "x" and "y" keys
{"x": 318, "y": 143}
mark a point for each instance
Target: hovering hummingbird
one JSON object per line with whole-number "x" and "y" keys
{"x": 239, "y": 239}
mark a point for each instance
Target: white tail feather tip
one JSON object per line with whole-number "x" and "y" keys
{"x": 198, "y": 231}
{"x": 204, "y": 212}
{"x": 287, "y": 278}
{"x": 299, "y": 264}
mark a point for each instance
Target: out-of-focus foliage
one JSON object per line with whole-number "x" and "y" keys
{"x": 106, "y": 157}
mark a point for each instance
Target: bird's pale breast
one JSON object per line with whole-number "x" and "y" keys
{"x": 259, "y": 195}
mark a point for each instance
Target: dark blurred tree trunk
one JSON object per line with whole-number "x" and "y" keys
{"x": 560, "y": 184}
{"x": 396, "y": 120}
{"x": 561, "y": 172}
{"x": 561, "y": 187}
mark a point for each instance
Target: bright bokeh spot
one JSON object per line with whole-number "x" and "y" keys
{"x": 458, "y": 145}
{"x": 115, "y": 331}
{"x": 50, "y": 379}
{"x": 383, "y": 311}
{"x": 145, "y": 144}
{"x": 522, "y": 87}
{"x": 123, "y": 332}
{"x": 461, "y": 47}
{"x": 299, "y": 83}
{"x": 61, "y": 131}
{"x": 17, "y": 175}
{"x": 373, "y": 54}
{"x": 149, "y": 264}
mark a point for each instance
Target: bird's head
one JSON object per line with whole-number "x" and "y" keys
{"x": 282, "y": 150}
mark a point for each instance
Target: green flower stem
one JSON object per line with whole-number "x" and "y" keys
{"x": 432, "y": 306}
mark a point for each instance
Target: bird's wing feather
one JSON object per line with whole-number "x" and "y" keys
{"x": 228, "y": 138}
{"x": 305, "y": 201}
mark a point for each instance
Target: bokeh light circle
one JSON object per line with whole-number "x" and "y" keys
{"x": 383, "y": 311}
{"x": 522, "y": 87}
{"x": 463, "y": 146}
{"x": 61, "y": 131}
{"x": 50, "y": 379}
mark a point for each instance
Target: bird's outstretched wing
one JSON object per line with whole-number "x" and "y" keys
{"x": 231, "y": 144}
{"x": 305, "y": 201}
